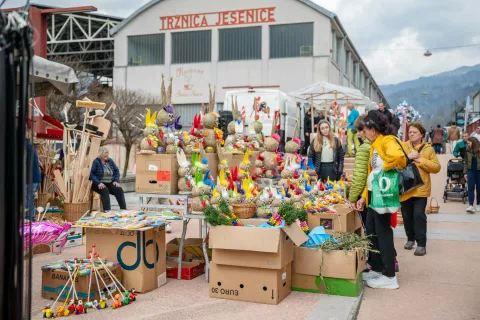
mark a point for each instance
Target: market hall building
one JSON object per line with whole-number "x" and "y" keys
{"x": 283, "y": 44}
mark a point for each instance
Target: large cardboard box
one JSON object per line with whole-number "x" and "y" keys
{"x": 268, "y": 248}
{"x": 141, "y": 254}
{"x": 53, "y": 282}
{"x": 332, "y": 264}
{"x": 192, "y": 250}
{"x": 332, "y": 286}
{"x": 269, "y": 286}
{"x": 157, "y": 173}
{"x": 347, "y": 220}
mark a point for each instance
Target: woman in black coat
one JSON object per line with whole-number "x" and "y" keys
{"x": 327, "y": 153}
{"x": 105, "y": 176}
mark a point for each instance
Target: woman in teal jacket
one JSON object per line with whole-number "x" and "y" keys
{"x": 360, "y": 172}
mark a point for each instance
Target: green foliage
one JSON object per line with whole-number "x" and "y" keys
{"x": 214, "y": 217}
{"x": 347, "y": 241}
{"x": 301, "y": 214}
{"x": 223, "y": 206}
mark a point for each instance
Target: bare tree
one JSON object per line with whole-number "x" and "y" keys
{"x": 128, "y": 117}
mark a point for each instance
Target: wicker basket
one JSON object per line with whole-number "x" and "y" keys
{"x": 74, "y": 211}
{"x": 42, "y": 200}
{"x": 431, "y": 208}
{"x": 244, "y": 210}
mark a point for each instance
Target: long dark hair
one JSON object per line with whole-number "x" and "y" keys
{"x": 475, "y": 146}
{"x": 379, "y": 122}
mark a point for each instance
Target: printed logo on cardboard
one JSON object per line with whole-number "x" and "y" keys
{"x": 140, "y": 245}
{"x": 163, "y": 176}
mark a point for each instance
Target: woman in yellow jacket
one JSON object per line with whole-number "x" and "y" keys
{"x": 415, "y": 201}
{"x": 386, "y": 154}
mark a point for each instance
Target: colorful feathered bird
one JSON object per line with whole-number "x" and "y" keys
{"x": 223, "y": 180}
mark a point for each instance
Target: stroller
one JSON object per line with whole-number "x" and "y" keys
{"x": 456, "y": 187}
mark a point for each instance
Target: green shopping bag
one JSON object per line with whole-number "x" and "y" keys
{"x": 385, "y": 192}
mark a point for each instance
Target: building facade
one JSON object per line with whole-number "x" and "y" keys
{"x": 284, "y": 44}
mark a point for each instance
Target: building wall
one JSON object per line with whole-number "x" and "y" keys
{"x": 476, "y": 102}
{"x": 287, "y": 73}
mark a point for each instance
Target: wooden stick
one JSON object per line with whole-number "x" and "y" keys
{"x": 45, "y": 212}
{"x": 113, "y": 105}
{"x": 71, "y": 279}
{"x": 66, "y": 284}
{"x": 111, "y": 274}
{"x": 73, "y": 284}
{"x": 100, "y": 276}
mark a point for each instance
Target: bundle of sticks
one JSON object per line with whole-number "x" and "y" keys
{"x": 80, "y": 147}
{"x": 47, "y": 162}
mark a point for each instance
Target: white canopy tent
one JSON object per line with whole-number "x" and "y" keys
{"x": 321, "y": 95}
{"x": 49, "y": 75}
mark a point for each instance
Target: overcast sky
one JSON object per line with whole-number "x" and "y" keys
{"x": 391, "y": 35}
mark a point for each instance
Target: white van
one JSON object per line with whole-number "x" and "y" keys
{"x": 276, "y": 100}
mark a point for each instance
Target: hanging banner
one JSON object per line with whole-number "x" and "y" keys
{"x": 217, "y": 19}
{"x": 190, "y": 83}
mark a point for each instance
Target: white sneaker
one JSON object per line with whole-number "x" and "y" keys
{"x": 470, "y": 209}
{"x": 371, "y": 275}
{"x": 383, "y": 282}
{"x": 168, "y": 228}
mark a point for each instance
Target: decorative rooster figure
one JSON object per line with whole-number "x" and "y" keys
{"x": 149, "y": 144}
{"x": 230, "y": 140}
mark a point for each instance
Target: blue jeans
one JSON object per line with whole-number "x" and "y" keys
{"x": 437, "y": 147}
{"x": 473, "y": 180}
{"x": 29, "y": 201}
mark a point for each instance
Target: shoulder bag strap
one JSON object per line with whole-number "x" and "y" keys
{"x": 401, "y": 147}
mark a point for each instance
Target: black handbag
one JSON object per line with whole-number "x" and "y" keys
{"x": 409, "y": 178}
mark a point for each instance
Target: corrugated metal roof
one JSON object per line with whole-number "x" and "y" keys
{"x": 150, "y": 4}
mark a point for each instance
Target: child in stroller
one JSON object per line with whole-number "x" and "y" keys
{"x": 456, "y": 186}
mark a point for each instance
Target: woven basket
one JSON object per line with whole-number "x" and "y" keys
{"x": 42, "y": 200}
{"x": 431, "y": 208}
{"x": 74, "y": 211}
{"x": 244, "y": 210}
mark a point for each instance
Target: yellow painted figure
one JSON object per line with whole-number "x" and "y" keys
{"x": 103, "y": 303}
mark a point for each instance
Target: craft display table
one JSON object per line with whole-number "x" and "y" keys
{"x": 145, "y": 199}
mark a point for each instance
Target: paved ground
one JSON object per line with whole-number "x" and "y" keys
{"x": 442, "y": 285}
{"x": 445, "y": 283}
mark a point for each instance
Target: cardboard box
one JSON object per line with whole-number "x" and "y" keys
{"x": 75, "y": 237}
{"x": 250, "y": 284}
{"x": 347, "y": 220}
{"x": 332, "y": 286}
{"x": 336, "y": 264}
{"x": 192, "y": 250}
{"x": 190, "y": 270}
{"x": 268, "y": 248}
{"x": 53, "y": 282}
{"x": 74, "y": 241}
{"x": 157, "y": 173}
{"x": 141, "y": 254}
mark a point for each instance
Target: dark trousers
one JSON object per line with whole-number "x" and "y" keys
{"x": 105, "y": 195}
{"x": 381, "y": 235}
{"x": 437, "y": 147}
{"x": 415, "y": 220}
{"x": 307, "y": 143}
{"x": 473, "y": 180}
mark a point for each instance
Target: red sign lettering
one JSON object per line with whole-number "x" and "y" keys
{"x": 215, "y": 19}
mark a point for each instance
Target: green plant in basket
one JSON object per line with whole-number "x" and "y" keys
{"x": 221, "y": 216}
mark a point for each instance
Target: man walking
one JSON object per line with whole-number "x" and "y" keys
{"x": 351, "y": 132}
{"x": 476, "y": 133}
{"x": 307, "y": 130}
{"x": 453, "y": 135}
